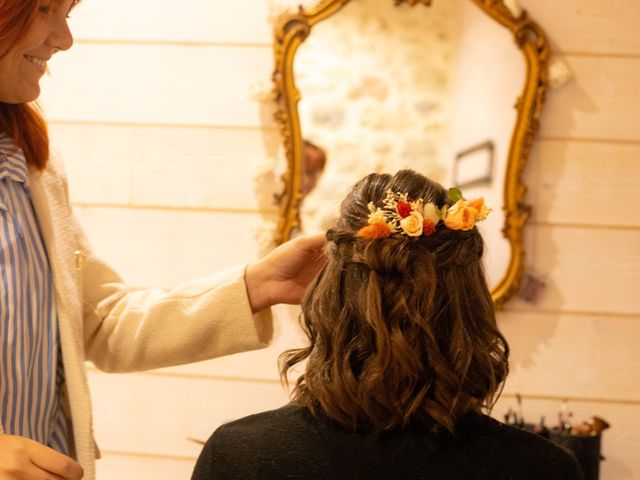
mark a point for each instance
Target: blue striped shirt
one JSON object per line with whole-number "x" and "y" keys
{"x": 31, "y": 373}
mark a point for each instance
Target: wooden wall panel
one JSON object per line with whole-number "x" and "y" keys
{"x": 603, "y": 28}
{"x": 164, "y": 247}
{"x": 237, "y": 21}
{"x": 602, "y": 352}
{"x": 97, "y": 161}
{"x": 168, "y": 166}
{"x": 158, "y": 84}
{"x": 588, "y": 270}
{"x": 584, "y": 356}
{"x": 570, "y": 258}
{"x": 589, "y": 26}
{"x": 156, "y": 414}
{"x": 599, "y": 103}
{"x": 576, "y": 183}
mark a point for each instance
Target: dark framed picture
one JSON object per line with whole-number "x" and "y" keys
{"x": 474, "y": 166}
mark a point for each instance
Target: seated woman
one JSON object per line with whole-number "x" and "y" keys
{"x": 404, "y": 357}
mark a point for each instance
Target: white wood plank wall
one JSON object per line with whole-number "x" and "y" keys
{"x": 152, "y": 113}
{"x": 580, "y": 342}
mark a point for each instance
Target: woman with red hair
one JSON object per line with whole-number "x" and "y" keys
{"x": 60, "y": 305}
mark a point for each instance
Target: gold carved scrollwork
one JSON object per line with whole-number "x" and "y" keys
{"x": 291, "y": 31}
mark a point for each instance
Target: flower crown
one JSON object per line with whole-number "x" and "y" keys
{"x": 414, "y": 218}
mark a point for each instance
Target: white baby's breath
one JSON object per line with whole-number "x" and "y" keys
{"x": 431, "y": 213}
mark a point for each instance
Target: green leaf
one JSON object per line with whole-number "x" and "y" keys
{"x": 454, "y": 194}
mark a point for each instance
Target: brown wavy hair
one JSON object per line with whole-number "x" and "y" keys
{"x": 23, "y": 122}
{"x": 401, "y": 329}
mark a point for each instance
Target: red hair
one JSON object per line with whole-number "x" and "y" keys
{"x": 23, "y": 122}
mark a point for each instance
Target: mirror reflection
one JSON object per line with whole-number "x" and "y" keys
{"x": 384, "y": 87}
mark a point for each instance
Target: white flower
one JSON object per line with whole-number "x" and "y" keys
{"x": 413, "y": 224}
{"x": 431, "y": 213}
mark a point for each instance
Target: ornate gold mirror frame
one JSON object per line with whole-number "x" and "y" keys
{"x": 292, "y": 29}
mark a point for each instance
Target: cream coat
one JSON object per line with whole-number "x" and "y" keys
{"x": 121, "y": 329}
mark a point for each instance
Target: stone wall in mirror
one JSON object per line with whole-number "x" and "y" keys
{"x": 451, "y": 89}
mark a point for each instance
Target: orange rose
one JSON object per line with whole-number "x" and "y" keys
{"x": 478, "y": 203}
{"x": 461, "y": 216}
{"x": 481, "y": 208}
{"x": 413, "y": 224}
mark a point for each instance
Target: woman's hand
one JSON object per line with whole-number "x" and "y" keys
{"x": 25, "y": 459}
{"x": 284, "y": 274}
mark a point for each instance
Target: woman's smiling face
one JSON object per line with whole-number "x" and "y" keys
{"x": 23, "y": 63}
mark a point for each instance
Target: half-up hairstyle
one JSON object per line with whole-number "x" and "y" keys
{"x": 401, "y": 329}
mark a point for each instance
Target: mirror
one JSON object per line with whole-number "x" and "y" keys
{"x": 452, "y": 89}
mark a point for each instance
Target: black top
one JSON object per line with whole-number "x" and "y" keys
{"x": 290, "y": 443}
